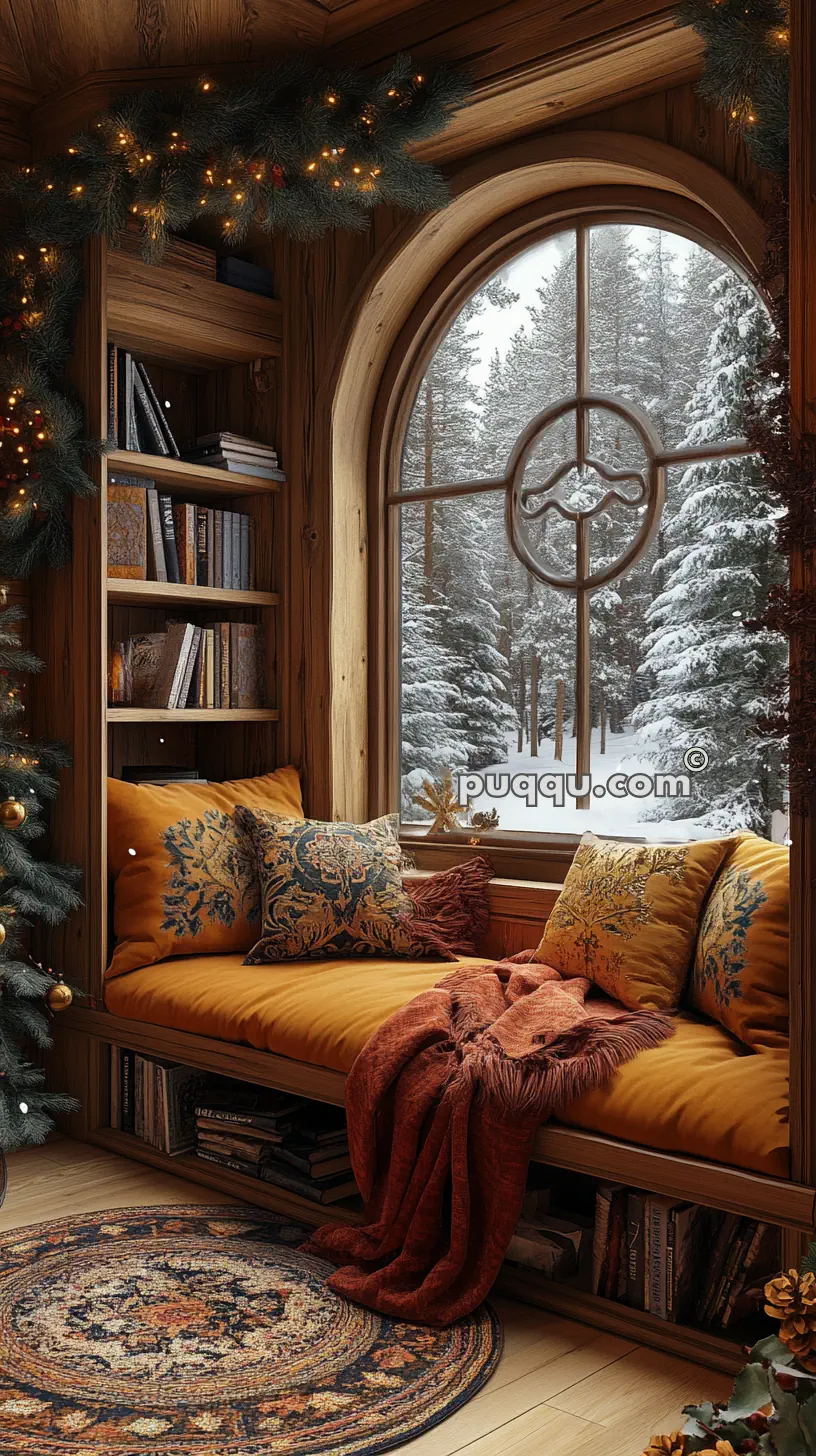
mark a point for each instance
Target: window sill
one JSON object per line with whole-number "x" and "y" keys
{"x": 518, "y": 856}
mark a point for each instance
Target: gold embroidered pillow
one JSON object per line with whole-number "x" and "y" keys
{"x": 331, "y": 890}
{"x": 627, "y": 917}
{"x": 185, "y": 876}
{"x": 740, "y": 975}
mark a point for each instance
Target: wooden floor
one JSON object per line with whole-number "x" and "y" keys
{"x": 560, "y": 1388}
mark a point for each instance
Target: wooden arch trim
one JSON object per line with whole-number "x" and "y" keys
{"x": 499, "y": 204}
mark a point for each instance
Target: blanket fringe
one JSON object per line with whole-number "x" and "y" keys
{"x": 574, "y": 1063}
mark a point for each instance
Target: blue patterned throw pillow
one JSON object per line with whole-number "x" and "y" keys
{"x": 331, "y": 889}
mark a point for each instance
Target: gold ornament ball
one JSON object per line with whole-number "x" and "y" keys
{"x": 59, "y": 996}
{"x": 12, "y": 813}
{"x": 2, "y": 933}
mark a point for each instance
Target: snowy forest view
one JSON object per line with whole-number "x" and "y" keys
{"x": 488, "y": 651}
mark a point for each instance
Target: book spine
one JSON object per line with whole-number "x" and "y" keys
{"x": 224, "y": 634}
{"x": 175, "y": 699}
{"x": 158, "y": 412}
{"x": 251, "y": 582}
{"x": 236, "y": 551}
{"x": 217, "y": 703}
{"x": 113, "y": 390}
{"x": 239, "y": 1165}
{"x": 235, "y": 665}
{"x": 671, "y": 1266}
{"x": 138, "y": 1097}
{"x": 150, "y": 432}
{"x": 209, "y": 701}
{"x": 202, "y": 544}
{"x": 218, "y": 548}
{"x": 156, "y": 535}
{"x": 189, "y": 667}
{"x": 210, "y": 581}
{"x": 168, "y": 531}
{"x": 602, "y": 1203}
{"x": 126, "y": 1098}
{"x": 115, "y": 1086}
{"x": 656, "y": 1272}
{"x": 242, "y": 1119}
{"x": 226, "y": 557}
{"x": 635, "y": 1250}
{"x": 244, "y": 553}
{"x": 194, "y": 695}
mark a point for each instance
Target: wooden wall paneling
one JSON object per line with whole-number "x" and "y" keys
{"x": 69, "y": 633}
{"x": 803, "y": 575}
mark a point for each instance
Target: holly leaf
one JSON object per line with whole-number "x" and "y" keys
{"x": 700, "y": 1419}
{"x": 771, "y": 1348}
{"x": 751, "y": 1392}
{"x": 789, "y": 1435}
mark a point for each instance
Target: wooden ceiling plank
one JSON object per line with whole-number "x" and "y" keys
{"x": 596, "y": 76}
{"x": 487, "y": 39}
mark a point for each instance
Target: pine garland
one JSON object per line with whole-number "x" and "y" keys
{"x": 746, "y": 70}
{"x": 295, "y": 150}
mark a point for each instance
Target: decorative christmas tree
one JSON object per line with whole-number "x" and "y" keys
{"x": 30, "y": 890}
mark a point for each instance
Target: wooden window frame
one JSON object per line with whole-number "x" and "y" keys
{"x": 538, "y": 856}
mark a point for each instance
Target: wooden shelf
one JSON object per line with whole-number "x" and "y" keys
{"x": 128, "y": 592}
{"x": 226, "y": 1180}
{"x": 718, "y": 1352}
{"x": 182, "y": 476}
{"x": 193, "y": 715}
{"x": 169, "y": 313}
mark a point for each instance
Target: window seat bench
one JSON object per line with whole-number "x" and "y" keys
{"x": 701, "y": 1093}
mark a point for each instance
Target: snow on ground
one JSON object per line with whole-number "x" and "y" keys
{"x": 606, "y": 814}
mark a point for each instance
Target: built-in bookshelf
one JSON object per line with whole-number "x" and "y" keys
{"x": 211, "y": 353}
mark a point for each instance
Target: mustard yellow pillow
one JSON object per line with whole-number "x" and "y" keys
{"x": 186, "y": 880}
{"x": 740, "y": 975}
{"x": 627, "y": 917}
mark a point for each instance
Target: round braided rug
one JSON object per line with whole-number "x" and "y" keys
{"x": 203, "y": 1331}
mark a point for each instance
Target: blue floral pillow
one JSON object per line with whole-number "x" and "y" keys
{"x": 331, "y": 889}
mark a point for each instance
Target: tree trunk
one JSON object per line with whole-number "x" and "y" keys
{"x": 428, "y": 481}
{"x": 534, "y": 705}
{"x": 558, "y": 733}
{"x": 603, "y": 725}
{"x": 522, "y": 707}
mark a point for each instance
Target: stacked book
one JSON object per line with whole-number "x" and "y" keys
{"x": 151, "y": 537}
{"x": 297, "y": 1145}
{"x": 220, "y": 665}
{"x": 680, "y": 1261}
{"x": 155, "y": 1100}
{"x": 236, "y": 452}
{"x": 136, "y": 419}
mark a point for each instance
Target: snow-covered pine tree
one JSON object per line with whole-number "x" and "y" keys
{"x": 712, "y": 679}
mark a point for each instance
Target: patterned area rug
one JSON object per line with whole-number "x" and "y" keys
{"x": 203, "y": 1331}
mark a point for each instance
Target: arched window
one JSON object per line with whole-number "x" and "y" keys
{"x": 581, "y": 534}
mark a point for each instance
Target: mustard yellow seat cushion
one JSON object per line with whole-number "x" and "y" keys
{"x": 627, "y": 917}
{"x": 740, "y": 975}
{"x": 700, "y": 1092}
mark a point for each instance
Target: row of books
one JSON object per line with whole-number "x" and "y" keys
{"x": 136, "y": 419}
{"x": 679, "y": 1260}
{"x": 151, "y": 538}
{"x": 220, "y": 665}
{"x": 298, "y": 1145}
{"x": 155, "y": 1100}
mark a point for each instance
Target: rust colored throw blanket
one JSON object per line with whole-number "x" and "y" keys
{"x": 443, "y": 1104}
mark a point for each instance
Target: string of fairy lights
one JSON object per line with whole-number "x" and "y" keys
{"x": 290, "y": 150}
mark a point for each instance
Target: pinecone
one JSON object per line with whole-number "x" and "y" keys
{"x": 791, "y": 1299}
{"x": 673, "y": 1445}
{"x": 722, "y": 1448}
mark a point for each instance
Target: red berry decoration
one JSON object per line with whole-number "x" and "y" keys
{"x": 278, "y": 178}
